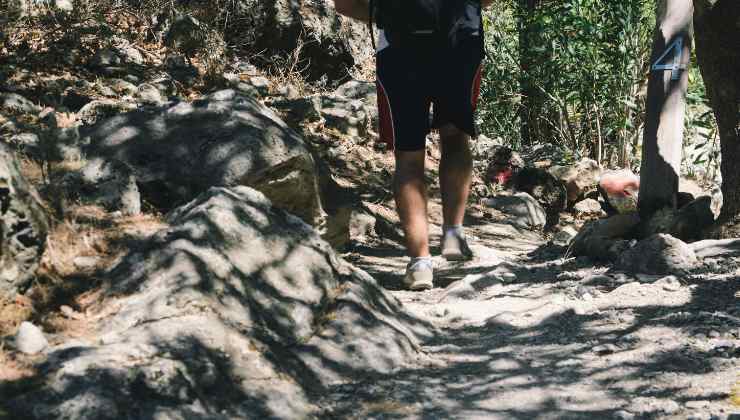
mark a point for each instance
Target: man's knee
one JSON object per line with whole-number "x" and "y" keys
{"x": 454, "y": 140}
{"x": 410, "y": 165}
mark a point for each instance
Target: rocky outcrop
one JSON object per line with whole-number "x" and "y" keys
{"x": 225, "y": 139}
{"x": 239, "y": 310}
{"x": 23, "y": 226}
{"x": 331, "y": 43}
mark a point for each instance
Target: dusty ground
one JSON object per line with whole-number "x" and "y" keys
{"x": 547, "y": 337}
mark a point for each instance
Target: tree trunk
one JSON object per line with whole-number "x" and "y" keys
{"x": 666, "y": 102}
{"x": 718, "y": 52}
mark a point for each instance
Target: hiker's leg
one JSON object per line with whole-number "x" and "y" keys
{"x": 455, "y": 173}
{"x": 411, "y": 201}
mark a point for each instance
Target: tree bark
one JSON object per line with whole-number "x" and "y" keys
{"x": 666, "y": 102}
{"x": 718, "y": 52}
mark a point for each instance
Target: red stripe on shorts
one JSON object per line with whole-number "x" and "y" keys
{"x": 475, "y": 90}
{"x": 386, "y": 130}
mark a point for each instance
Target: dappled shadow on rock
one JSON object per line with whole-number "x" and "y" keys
{"x": 239, "y": 310}
{"x": 225, "y": 139}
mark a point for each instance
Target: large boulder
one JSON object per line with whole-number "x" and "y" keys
{"x": 239, "y": 310}
{"x": 579, "y": 179}
{"x": 606, "y": 239}
{"x": 225, "y": 139}
{"x": 659, "y": 254}
{"x": 23, "y": 226}
{"x": 329, "y": 42}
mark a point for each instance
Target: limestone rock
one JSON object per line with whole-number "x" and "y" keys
{"x": 659, "y": 254}
{"x": 579, "y": 179}
{"x": 105, "y": 58}
{"x": 564, "y": 236}
{"x": 235, "y": 310}
{"x": 30, "y": 339}
{"x": 347, "y": 116}
{"x": 357, "y": 89}
{"x": 123, "y": 87}
{"x": 23, "y": 226}
{"x": 225, "y": 139}
{"x": 108, "y": 183}
{"x": 103, "y": 108}
{"x": 261, "y": 84}
{"x": 301, "y": 110}
{"x": 17, "y": 103}
{"x": 588, "y": 207}
{"x": 149, "y": 94}
{"x": 605, "y": 239}
{"x": 365, "y": 92}
{"x": 331, "y": 43}
{"x": 526, "y": 212}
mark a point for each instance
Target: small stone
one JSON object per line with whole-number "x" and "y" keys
{"x": 564, "y": 236}
{"x": 623, "y": 415}
{"x": 262, "y": 84}
{"x": 64, "y": 5}
{"x": 461, "y": 289}
{"x": 603, "y": 349}
{"x": 149, "y": 94}
{"x": 289, "y": 92}
{"x": 248, "y": 69}
{"x": 714, "y": 334}
{"x": 30, "y": 339}
{"x": 70, "y": 313}
{"x": 508, "y": 277}
{"x": 669, "y": 283}
{"x": 123, "y": 87}
{"x": 588, "y": 207}
{"x": 438, "y": 312}
{"x": 105, "y": 57}
{"x": 696, "y": 404}
{"x": 84, "y": 262}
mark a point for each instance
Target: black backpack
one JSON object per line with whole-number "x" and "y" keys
{"x": 443, "y": 22}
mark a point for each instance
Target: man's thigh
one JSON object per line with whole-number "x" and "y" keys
{"x": 458, "y": 88}
{"x": 404, "y": 98}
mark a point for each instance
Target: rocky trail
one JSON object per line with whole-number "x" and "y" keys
{"x": 218, "y": 241}
{"x": 524, "y": 333}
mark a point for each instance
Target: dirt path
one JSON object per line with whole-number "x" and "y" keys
{"x": 526, "y": 334}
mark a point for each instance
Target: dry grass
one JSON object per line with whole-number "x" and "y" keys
{"x": 65, "y": 296}
{"x": 288, "y": 71}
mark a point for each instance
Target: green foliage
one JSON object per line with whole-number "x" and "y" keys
{"x": 585, "y": 69}
{"x": 500, "y": 101}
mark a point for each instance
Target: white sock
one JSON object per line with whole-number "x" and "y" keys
{"x": 415, "y": 260}
{"x": 456, "y": 230}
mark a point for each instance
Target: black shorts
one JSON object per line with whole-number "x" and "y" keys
{"x": 410, "y": 80}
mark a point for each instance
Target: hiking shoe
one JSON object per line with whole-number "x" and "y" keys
{"x": 419, "y": 274}
{"x": 455, "y": 246}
